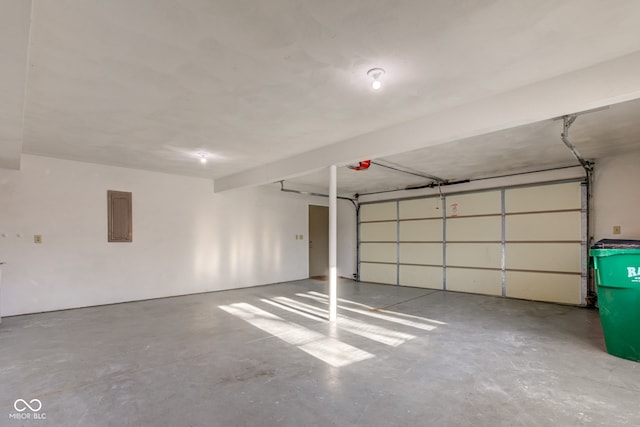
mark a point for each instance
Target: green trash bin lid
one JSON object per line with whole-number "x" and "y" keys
{"x": 609, "y": 247}
{"x": 616, "y": 244}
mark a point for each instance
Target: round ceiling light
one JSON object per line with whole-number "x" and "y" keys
{"x": 376, "y": 74}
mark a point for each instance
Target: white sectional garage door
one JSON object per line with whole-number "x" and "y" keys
{"x": 379, "y": 249}
{"x": 527, "y": 242}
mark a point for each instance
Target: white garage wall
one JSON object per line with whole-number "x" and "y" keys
{"x": 615, "y": 197}
{"x": 186, "y": 239}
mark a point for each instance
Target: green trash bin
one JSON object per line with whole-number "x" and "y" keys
{"x": 617, "y": 267}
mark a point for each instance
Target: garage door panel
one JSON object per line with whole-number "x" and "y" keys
{"x": 544, "y": 198}
{"x": 486, "y": 202}
{"x": 422, "y": 277}
{"x": 544, "y": 226}
{"x": 535, "y": 233}
{"x": 378, "y": 273}
{"x": 421, "y": 253}
{"x": 486, "y": 282}
{"x": 475, "y": 229}
{"x": 562, "y": 288}
{"x": 423, "y": 230}
{"x": 488, "y": 255}
{"x": 379, "y": 252}
{"x": 421, "y": 208}
{"x": 379, "y": 232}
{"x": 379, "y": 211}
{"x": 564, "y": 257}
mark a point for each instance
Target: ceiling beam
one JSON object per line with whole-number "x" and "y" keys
{"x": 603, "y": 84}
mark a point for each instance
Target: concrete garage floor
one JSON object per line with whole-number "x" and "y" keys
{"x": 461, "y": 360}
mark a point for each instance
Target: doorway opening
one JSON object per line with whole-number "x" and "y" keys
{"x": 318, "y": 242}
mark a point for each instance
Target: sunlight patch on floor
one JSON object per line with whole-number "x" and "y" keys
{"x": 329, "y": 350}
{"x": 375, "y": 314}
{"x": 373, "y": 332}
{"x": 325, "y": 347}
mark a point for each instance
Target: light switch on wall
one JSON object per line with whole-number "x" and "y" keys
{"x": 616, "y": 229}
{"x": 37, "y": 238}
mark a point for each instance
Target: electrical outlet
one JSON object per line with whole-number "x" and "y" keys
{"x": 616, "y": 229}
{"x": 37, "y": 238}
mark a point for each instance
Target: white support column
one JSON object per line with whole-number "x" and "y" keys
{"x": 333, "y": 240}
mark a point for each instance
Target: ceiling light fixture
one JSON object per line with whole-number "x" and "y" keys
{"x": 203, "y": 158}
{"x": 376, "y": 74}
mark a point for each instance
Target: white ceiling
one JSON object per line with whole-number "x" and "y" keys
{"x": 150, "y": 83}
{"x": 597, "y": 134}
